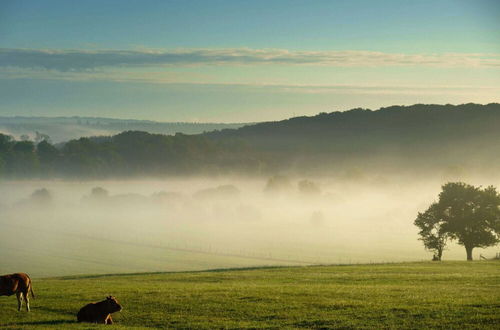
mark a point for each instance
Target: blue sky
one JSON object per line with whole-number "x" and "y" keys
{"x": 224, "y": 61}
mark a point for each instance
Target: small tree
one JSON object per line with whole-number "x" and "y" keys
{"x": 40, "y": 137}
{"x": 431, "y": 231}
{"x": 41, "y": 196}
{"x": 99, "y": 193}
{"x": 307, "y": 187}
{"x": 48, "y": 155}
{"x": 278, "y": 183}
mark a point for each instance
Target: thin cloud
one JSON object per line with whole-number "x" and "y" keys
{"x": 194, "y": 79}
{"x": 87, "y": 60}
{"x": 181, "y": 81}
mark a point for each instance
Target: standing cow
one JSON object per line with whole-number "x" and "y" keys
{"x": 20, "y": 284}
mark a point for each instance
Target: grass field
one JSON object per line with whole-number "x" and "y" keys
{"x": 404, "y": 295}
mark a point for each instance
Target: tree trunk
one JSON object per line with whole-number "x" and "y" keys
{"x": 468, "y": 249}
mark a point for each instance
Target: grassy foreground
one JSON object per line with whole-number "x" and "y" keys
{"x": 406, "y": 295}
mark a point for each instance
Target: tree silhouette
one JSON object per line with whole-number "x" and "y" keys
{"x": 431, "y": 231}
{"x": 468, "y": 214}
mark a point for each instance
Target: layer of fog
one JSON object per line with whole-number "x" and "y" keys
{"x": 59, "y": 227}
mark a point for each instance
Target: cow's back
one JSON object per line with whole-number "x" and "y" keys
{"x": 13, "y": 283}
{"x": 87, "y": 313}
{"x": 7, "y": 285}
{"x": 10, "y": 284}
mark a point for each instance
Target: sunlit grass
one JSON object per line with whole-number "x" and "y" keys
{"x": 404, "y": 295}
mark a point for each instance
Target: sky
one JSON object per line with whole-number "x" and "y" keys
{"x": 243, "y": 61}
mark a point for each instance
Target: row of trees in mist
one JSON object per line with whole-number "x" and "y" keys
{"x": 464, "y": 213}
{"x": 128, "y": 153}
{"x": 418, "y": 136}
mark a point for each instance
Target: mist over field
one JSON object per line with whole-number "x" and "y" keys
{"x": 201, "y": 223}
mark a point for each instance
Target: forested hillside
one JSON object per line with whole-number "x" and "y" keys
{"x": 418, "y": 137}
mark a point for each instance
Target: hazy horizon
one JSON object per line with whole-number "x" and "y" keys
{"x": 294, "y": 115}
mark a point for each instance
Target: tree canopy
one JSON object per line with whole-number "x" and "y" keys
{"x": 431, "y": 232}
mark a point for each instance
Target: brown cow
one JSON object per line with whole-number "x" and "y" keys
{"x": 18, "y": 283}
{"x": 99, "y": 312}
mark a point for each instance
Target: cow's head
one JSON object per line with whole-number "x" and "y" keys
{"x": 112, "y": 305}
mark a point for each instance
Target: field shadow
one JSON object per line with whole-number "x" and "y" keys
{"x": 209, "y": 270}
{"x": 56, "y": 310}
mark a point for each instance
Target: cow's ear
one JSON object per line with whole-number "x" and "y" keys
{"x": 108, "y": 297}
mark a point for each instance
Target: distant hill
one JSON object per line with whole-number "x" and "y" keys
{"x": 417, "y": 135}
{"x": 61, "y": 129}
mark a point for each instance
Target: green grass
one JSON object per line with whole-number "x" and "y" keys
{"x": 405, "y": 295}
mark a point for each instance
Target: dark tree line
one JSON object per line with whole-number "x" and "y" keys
{"x": 128, "y": 153}
{"x": 423, "y": 137}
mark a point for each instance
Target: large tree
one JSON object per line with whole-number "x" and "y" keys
{"x": 468, "y": 214}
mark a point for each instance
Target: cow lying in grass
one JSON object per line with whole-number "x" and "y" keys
{"x": 20, "y": 284}
{"x": 99, "y": 312}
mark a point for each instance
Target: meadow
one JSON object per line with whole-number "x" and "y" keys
{"x": 450, "y": 294}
